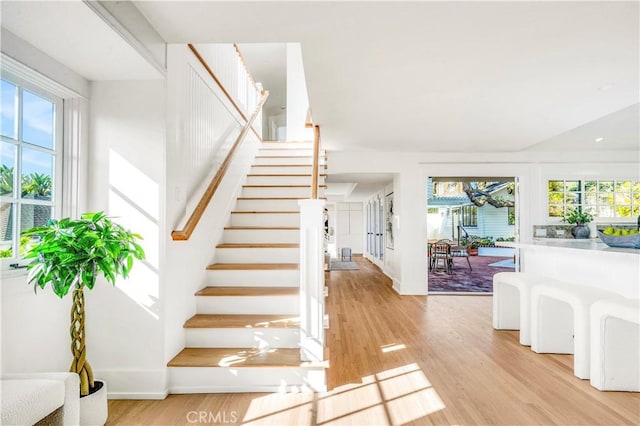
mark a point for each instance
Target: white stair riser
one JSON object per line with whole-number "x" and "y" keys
{"x": 242, "y": 337}
{"x": 282, "y": 180}
{"x": 257, "y": 255}
{"x": 283, "y": 160}
{"x": 271, "y": 205}
{"x": 223, "y": 380}
{"x": 280, "y": 191}
{"x": 251, "y": 278}
{"x": 250, "y": 305}
{"x": 288, "y": 145}
{"x": 283, "y": 170}
{"x": 286, "y": 152}
{"x": 265, "y": 219}
{"x": 247, "y": 236}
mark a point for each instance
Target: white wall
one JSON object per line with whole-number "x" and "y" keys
{"x": 297, "y": 98}
{"x": 35, "y": 328}
{"x": 185, "y": 262}
{"x": 35, "y": 59}
{"x": 125, "y": 324}
{"x": 349, "y": 228}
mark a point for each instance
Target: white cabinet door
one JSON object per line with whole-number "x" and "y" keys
{"x": 356, "y": 228}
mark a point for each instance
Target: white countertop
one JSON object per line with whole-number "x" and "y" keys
{"x": 582, "y": 244}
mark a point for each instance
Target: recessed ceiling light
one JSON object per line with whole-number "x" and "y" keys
{"x": 605, "y": 87}
{"x": 600, "y": 139}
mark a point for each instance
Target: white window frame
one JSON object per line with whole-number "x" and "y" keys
{"x": 473, "y": 214}
{"x": 57, "y": 152}
{"x": 583, "y": 180}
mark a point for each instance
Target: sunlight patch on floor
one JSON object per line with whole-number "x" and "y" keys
{"x": 392, "y": 347}
{"x": 342, "y": 403}
{"x": 394, "y": 396}
{"x": 280, "y": 409}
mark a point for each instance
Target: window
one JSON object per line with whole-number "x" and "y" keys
{"x": 447, "y": 189}
{"x": 603, "y": 198}
{"x": 469, "y": 216}
{"x": 30, "y": 135}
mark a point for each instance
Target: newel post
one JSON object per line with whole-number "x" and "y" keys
{"x": 312, "y": 339}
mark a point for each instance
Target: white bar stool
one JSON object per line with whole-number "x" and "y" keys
{"x": 560, "y": 321}
{"x": 615, "y": 345}
{"x": 512, "y": 301}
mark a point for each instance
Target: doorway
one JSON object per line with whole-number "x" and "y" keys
{"x": 472, "y": 226}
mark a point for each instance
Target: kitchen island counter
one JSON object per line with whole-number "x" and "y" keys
{"x": 588, "y": 261}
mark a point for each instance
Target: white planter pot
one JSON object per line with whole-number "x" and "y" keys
{"x": 93, "y": 408}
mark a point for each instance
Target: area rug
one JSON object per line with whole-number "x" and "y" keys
{"x": 508, "y": 263}
{"x": 337, "y": 265}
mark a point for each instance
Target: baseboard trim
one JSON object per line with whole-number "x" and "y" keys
{"x": 138, "y": 395}
{"x": 244, "y": 389}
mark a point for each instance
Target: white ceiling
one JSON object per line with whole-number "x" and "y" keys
{"x": 355, "y": 186}
{"x": 398, "y": 76}
{"x": 71, "y": 33}
{"x": 438, "y": 76}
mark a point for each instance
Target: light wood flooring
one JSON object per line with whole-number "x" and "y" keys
{"x": 409, "y": 360}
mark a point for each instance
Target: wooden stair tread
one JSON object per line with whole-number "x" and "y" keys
{"x": 248, "y": 291}
{"x": 282, "y": 148}
{"x": 258, "y": 245}
{"x": 282, "y": 175}
{"x": 252, "y": 266}
{"x": 287, "y": 165}
{"x": 242, "y": 321}
{"x": 240, "y": 357}
{"x": 281, "y": 186}
{"x": 287, "y": 156}
{"x": 283, "y": 142}
{"x": 275, "y": 198}
{"x": 265, "y": 212}
{"x": 263, "y": 228}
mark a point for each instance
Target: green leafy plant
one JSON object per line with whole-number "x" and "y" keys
{"x": 71, "y": 254}
{"x": 474, "y": 241}
{"x": 37, "y": 185}
{"x": 6, "y": 179}
{"x": 578, "y": 217}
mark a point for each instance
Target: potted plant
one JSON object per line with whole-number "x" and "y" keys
{"x": 471, "y": 243}
{"x": 71, "y": 254}
{"x": 579, "y": 219}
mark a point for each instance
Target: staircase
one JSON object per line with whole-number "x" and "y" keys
{"x": 245, "y": 336}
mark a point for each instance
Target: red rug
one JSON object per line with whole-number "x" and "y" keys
{"x": 478, "y": 280}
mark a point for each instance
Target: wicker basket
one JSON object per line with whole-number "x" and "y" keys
{"x": 625, "y": 241}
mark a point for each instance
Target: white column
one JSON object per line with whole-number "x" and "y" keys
{"x": 410, "y": 245}
{"x": 297, "y": 98}
{"x": 312, "y": 340}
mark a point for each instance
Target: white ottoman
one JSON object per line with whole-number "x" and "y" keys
{"x": 615, "y": 345}
{"x": 28, "y": 397}
{"x": 512, "y": 301}
{"x": 560, "y": 321}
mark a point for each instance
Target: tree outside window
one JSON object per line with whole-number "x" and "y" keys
{"x": 609, "y": 198}
{"x": 511, "y": 215}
